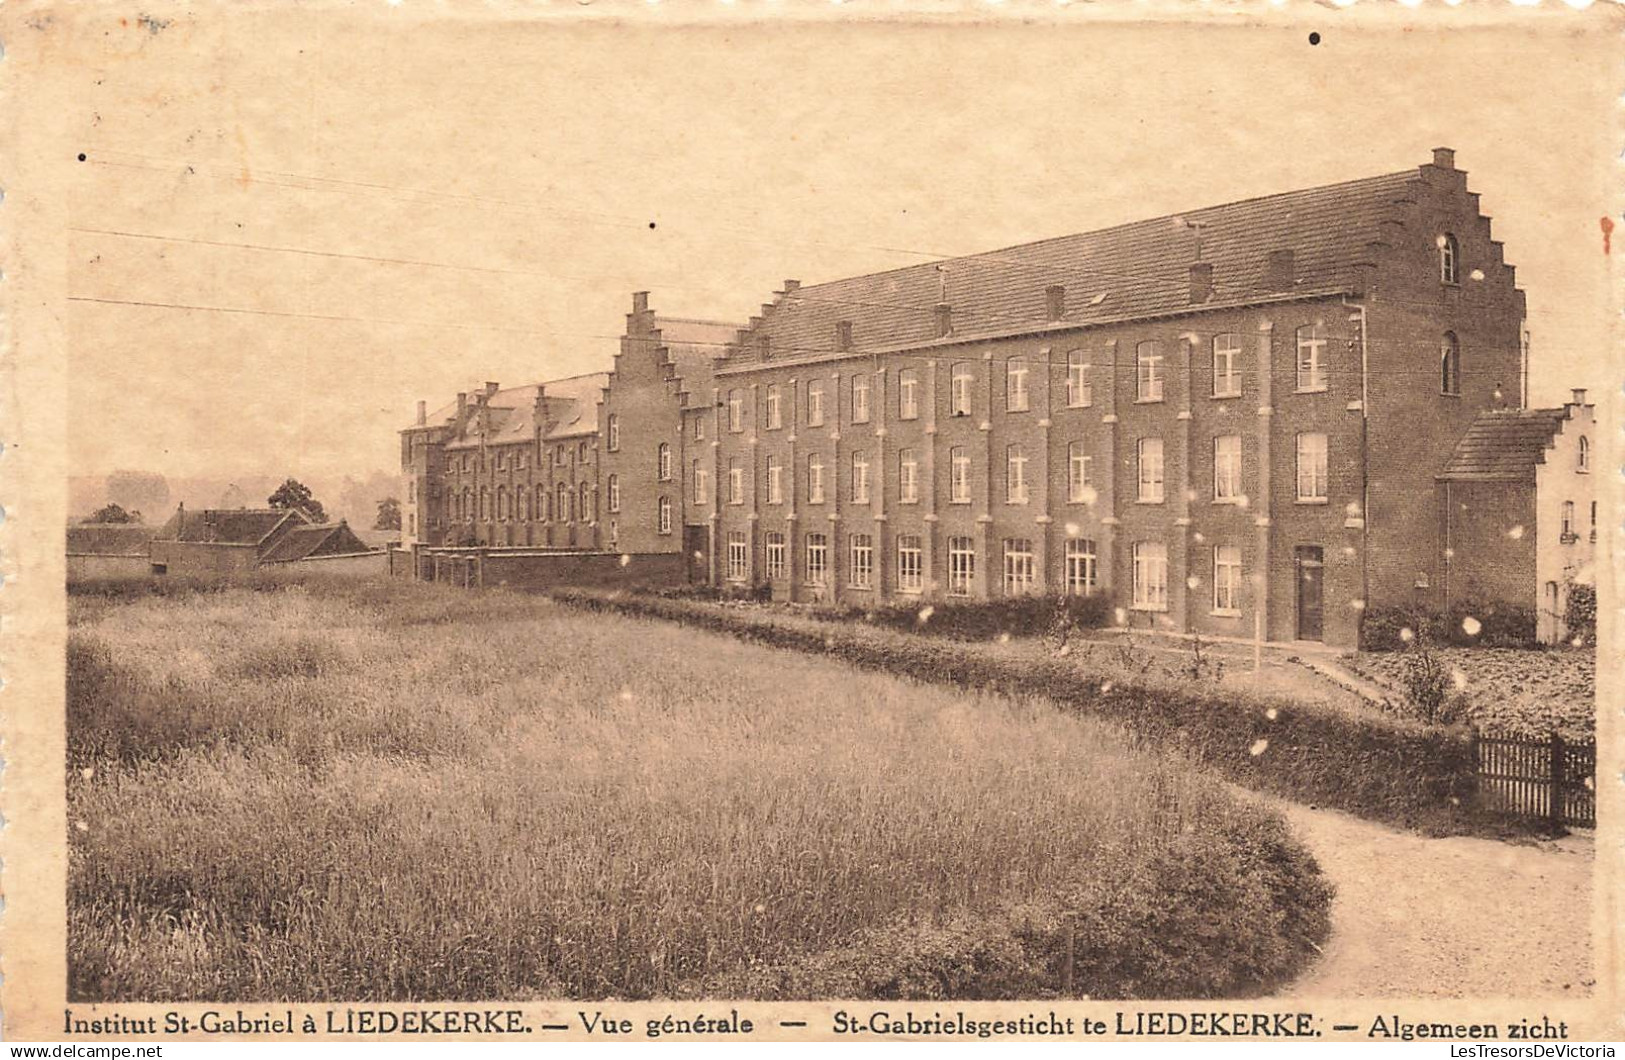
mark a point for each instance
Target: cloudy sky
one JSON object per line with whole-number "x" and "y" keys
{"x": 320, "y": 220}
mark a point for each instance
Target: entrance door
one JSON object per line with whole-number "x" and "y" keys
{"x": 1311, "y": 563}
{"x": 699, "y": 559}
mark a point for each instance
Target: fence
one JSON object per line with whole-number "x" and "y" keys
{"x": 1553, "y": 779}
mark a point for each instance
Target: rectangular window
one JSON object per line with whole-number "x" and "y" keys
{"x": 815, "y": 479}
{"x": 1568, "y": 518}
{"x": 958, "y": 476}
{"x": 1082, "y": 567}
{"x": 1312, "y": 357}
{"x": 961, "y": 389}
{"x": 736, "y": 483}
{"x": 1227, "y": 467}
{"x": 817, "y": 559}
{"x": 1311, "y": 467}
{"x": 1148, "y": 371}
{"x": 1150, "y": 576}
{"x": 908, "y": 477}
{"x": 1015, "y": 475}
{"x": 662, "y": 512}
{"x": 736, "y": 410}
{"x": 1015, "y": 385}
{"x": 1079, "y": 390}
{"x": 860, "y": 478}
{"x": 908, "y": 394}
{"x": 961, "y": 565}
{"x": 738, "y": 555}
{"x": 1150, "y": 464}
{"x": 773, "y": 555}
{"x": 863, "y": 561}
{"x": 775, "y": 409}
{"x": 1079, "y": 488}
{"x": 1019, "y": 569}
{"x": 702, "y": 485}
{"x": 1226, "y": 366}
{"x": 860, "y": 399}
{"x": 775, "y": 481}
{"x": 699, "y": 427}
{"x": 1227, "y": 580}
{"x": 614, "y": 498}
{"x": 910, "y": 564}
{"x": 815, "y": 403}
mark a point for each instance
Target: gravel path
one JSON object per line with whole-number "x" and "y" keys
{"x": 1456, "y": 917}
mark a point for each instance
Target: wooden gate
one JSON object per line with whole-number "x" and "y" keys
{"x": 1553, "y": 779}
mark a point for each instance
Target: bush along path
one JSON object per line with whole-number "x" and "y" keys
{"x": 1384, "y": 769}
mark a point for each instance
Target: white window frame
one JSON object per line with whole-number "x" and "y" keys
{"x": 736, "y": 410}
{"x": 815, "y": 478}
{"x": 738, "y": 556}
{"x": 702, "y": 484}
{"x": 1313, "y": 343}
{"x": 860, "y": 398}
{"x": 1226, "y": 468}
{"x": 908, "y": 476}
{"x": 860, "y": 477}
{"x": 736, "y": 482}
{"x": 817, "y": 559}
{"x": 861, "y": 574}
{"x": 663, "y": 462}
{"x": 773, "y": 555}
{"x": 908, "y": 394}
{"x": 1312, "y": 462}
{"x": 959, "y": 485}
{"x": 1020, "y": 568}
{"x": 775, "y": 408}
{"x": 613, "y": 433}
{"x": 961, "y": 389}
{"x": 1016, "y": 395}
{"x": 910, "y": 564}
{"x": 1449, "y": 259}
{"x": 775, "y": 480}
{"x": 1150, "y": 576}
{"x": 1079, "y": 467}
{"x": 1582, "y": 456}
{"x": 663, "y": 515}
{"x": 1015, "y": 475}
{"x": 613, "y": 498}
{"x": 1151, "y": 486}
{"x": 961, "y": 565}
{"x": 1149, "y": 374}
{"x": 1450, "y": 364}
{"x": 815, "y": 403}
{"x": 1226, "y": 372}
{"x": 1227, "y": 579}
{"x": 1082, "y": 566}
{"x": 1080, "y": 392}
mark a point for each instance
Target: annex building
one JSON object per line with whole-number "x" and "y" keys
{"x": 1240, "y": 419}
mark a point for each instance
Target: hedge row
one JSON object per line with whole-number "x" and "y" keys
{"x": 1385, "y": 769}
{"x": 1466, "y": 624}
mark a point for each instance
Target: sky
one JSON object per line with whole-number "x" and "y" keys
{"x": 328, "y": 218}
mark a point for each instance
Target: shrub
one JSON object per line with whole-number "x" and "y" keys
{"x": 1581, "y": 617}
{"x": 982, "y": 620}
{"x": 1466, "y": 624}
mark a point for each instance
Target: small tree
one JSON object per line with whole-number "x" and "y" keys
{"x": 295, "y": 494}
{"x": 389, "y": 514}
{"x": 114, "y": 513}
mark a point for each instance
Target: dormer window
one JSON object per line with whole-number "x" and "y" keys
{"x": 1449, "y": 259}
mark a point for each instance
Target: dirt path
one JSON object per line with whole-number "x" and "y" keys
{"x": 1454, "y": 917}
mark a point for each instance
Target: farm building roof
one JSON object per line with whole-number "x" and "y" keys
{"x": 304, "y": 542}
{"x": 1504, "y": 445}
{"x": 109, "y": 539}
{"x": 236, "y": 526}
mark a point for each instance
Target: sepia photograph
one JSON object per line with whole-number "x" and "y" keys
{"x": 788, "y": 525}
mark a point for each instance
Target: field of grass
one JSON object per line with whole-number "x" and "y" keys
{"x": 402, "y": 792}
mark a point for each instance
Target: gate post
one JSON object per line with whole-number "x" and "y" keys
{"x": 1555, "y": 808}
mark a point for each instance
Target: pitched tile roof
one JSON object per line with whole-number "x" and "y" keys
{"x": 303, "y": 542}
{"x": 1129, "y": 271}
{"x": 109, "y": 539}
{"x": 1504, "y": 445}
{"x": 237, "y": 526}
{"x": 572, "y": 411}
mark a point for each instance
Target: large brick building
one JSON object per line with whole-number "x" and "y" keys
{"x": 1232, "y": 420}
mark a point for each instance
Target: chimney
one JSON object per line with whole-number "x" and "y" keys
{"x": 640, "y": 301}
{"x": 491, "y": 388}
{"x": 1054, "y": 301}
{"x": 792, "y": 286}
{"x": 1278, "y": 270}
{"x": 1201, "y": 281}
{"x": 843, "y": 335}
{"x": 423, "y": 413}
{"x": 1444, "y": 158}
{"x": 462, "y": 406}
{"x": 1579, "y": 396}
{"x": 944, "y": 320}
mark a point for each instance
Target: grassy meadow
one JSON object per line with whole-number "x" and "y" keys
{"x": 394, "y": 791}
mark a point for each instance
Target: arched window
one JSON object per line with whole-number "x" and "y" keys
{"x": 663, "y": 462}
{"x": 467, "y": 508}
{"x": 541, "y": 503}
{"x": 485, "y": 505}
{"x": 502, "y": 503}
{"x": 584, "y": 503}
{"x": 614, "y": 493}
{"x": 1449, "y": 364}
{"x": 612, "y": 435}
{"x": 1582, "y": 461}
{"x": 521, "y": 497}
{"x": 561, "y": 507}
{"x": 1449, "y": 259}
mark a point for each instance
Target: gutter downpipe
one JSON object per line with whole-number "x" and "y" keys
{"x": 1365, "y": 459}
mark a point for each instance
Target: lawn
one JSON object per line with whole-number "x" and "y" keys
{"x": 397, "y": 791}
{"x": 1505, "y": 690}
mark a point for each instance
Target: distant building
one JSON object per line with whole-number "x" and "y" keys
{"x": 223, "y": 542}
{"x": 104, "y": 551}
{"x": 1232, "y": 420}
{"x": 1518, "y": 507}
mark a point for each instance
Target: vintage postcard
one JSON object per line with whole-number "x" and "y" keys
{"x": 769, "y": 521}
